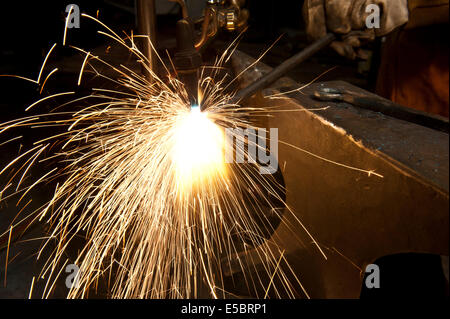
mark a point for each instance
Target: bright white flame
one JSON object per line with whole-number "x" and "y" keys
{"x": 198, "y": 151}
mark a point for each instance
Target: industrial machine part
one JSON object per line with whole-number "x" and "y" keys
{"x": 377, "y": 104}
{"x": 228, "y": 15}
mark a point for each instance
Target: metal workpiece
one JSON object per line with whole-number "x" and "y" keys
{"x": 355, "y": 217}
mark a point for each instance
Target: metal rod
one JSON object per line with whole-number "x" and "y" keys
{"x": 384, "y": 106}
{"x": 146, "y": 15}
{"x": 284, "y": 67}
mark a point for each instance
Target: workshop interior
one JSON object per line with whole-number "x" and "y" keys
{"x": 224, "y": 149}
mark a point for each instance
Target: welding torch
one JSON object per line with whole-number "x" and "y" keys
{"x": 187, "y": 60}
{"x": 229, "y": 15}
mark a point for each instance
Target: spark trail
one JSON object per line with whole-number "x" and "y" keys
{"x": 145, "y": 183}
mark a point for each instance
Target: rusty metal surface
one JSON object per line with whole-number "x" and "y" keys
{"x": 354, "y": 217}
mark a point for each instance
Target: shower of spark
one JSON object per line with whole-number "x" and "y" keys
{"x": 145, "y": 183}
{"x": 198, "y": 149}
